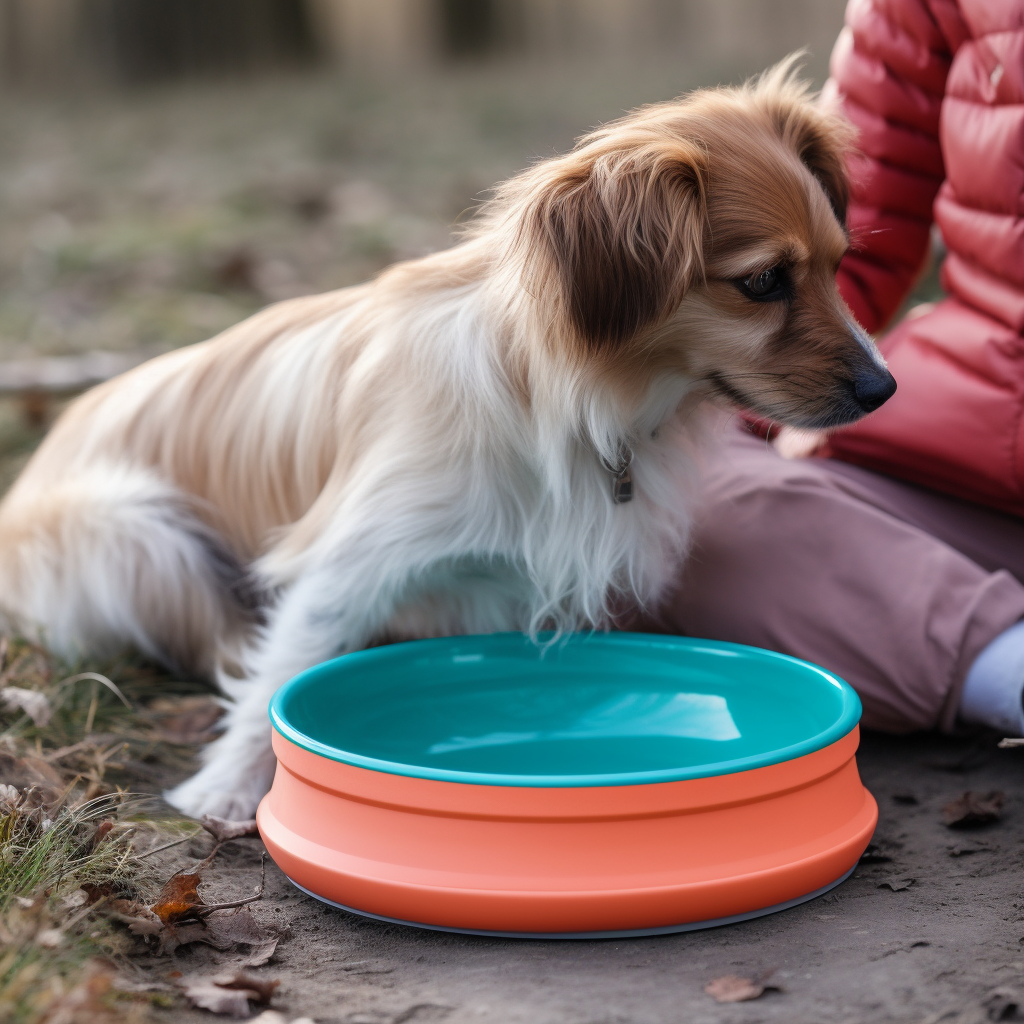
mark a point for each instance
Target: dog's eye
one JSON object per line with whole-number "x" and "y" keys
{"x": 764, "y": 286}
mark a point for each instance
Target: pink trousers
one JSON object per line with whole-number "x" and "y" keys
{"x": 893, "y": 587}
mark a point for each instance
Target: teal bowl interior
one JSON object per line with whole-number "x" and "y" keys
{"x": 586, "y": 710}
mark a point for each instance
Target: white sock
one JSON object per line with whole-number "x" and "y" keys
{"x": 993, "y": 693}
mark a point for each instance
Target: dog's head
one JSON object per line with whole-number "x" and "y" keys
{"x": 701, "y": 237}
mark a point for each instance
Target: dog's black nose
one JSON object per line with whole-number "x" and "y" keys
{"x": 874, "y": 389}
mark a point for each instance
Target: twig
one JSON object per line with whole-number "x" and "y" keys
{"x": 1011, "y": 741}
{"x": 167, "y": 846}
{"x": 90, "y": 741}
{"x": 203, "y": 912}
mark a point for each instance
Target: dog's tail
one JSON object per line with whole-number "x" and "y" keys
{"x": 114, "y": 557}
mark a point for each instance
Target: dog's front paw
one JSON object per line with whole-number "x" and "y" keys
{"x": 205, "y": 794}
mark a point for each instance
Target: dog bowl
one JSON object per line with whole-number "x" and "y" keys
{"x": 603, "y": 785}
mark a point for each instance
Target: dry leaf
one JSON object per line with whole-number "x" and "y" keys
{"x": 179, "y": 898}
{"x": 222, "y": 830}
{"x": 973, "y": 809}
{"x": 32, "y": 702}
{"x": 239, "y": 932}
{"x": 138, "y": 983}
{"x": 50, "y": 938}
{"x": 103, "y": 829}
{"x": 963, "y": 850}
{"x": 206, "y": 994}
{"x": 139, "y": 918}
{"x": 87, "y": 1002}
{"x": 37, "y": 781}
{"x": 95, "y": 892}
{"x": 174, "y": 935}
{"x": 227, "y": 994}
{"x": 896, "y": 884}
{"x": 730, "y": 988}
{"x": 76, "y": 899}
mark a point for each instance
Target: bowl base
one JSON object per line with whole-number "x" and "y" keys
{"x": 627, "y": 933}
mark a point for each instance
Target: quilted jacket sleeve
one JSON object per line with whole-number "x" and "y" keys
{"x": 889, "y": 69}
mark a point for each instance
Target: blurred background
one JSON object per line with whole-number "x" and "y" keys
{"x": 169, "y": 166}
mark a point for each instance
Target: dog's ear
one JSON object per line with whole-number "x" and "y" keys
{"x": 817, "y": 129}
{"x": 822, "y": 144}
{"x": 625, "y": 231}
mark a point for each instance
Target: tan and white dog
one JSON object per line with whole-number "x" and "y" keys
{"x": 450, "y": 447}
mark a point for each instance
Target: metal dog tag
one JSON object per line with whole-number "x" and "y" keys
{"x": 622, "y": 488}
{"x": 622, "y": 482}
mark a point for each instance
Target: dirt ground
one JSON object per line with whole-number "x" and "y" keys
{"x": 942, "y": 949}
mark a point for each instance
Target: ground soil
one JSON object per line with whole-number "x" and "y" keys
{"x": 862, "y": 954}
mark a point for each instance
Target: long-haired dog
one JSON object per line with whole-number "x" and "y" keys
{"x": 453, "y": 447}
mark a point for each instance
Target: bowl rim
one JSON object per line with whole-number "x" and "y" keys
{"x": 846, "y": 721}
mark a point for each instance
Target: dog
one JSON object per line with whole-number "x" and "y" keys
{"x": 499, "y": 436}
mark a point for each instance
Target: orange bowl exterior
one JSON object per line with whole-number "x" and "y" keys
{"x": 572, "y": 860}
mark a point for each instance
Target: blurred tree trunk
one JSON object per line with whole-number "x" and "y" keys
{"x": 132, "y": 41}
{"x": 129, "y": 41}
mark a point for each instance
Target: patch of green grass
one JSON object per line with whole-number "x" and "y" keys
{"x": 70, "y": 830}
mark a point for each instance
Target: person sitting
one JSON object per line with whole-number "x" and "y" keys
{"x": 894, "y": 555}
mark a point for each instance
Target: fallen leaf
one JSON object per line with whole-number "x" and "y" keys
{"x": 251, "y": 944}
{"x": 95, "y": 892}
{"x": 227, "y": 994}
{"x": 179, "y": 898}
{"x": 32, "y": 702}
{"x": 973, "y": 809}
{"x": 730, "y": 988}
{"x": 273, "y": 1017}
{"x": 965, "y": 850}
{"x": 37, "y": 781}
{"x": 102, "y": 831}
{"x": 138, "y": 983}
{"x": 896, "y": 884}
{"x": 87, "y": 1002}
{"x": 139, "y": 918}
{"x": 76, "y": 899}
{"x": 241, "y": 932}
{"x": 50, "y": 938}
{"x": 174, "y": 935}
{"x": 223, "y": 830}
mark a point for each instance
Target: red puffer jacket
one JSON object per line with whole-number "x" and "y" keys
{"x": 936, "y": 89}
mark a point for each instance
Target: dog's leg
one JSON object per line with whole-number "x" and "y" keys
{"x": 338, "y": 609}
{"x": 311, "y": 623}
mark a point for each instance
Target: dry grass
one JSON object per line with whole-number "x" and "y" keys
{"x": 70, "y": 829}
